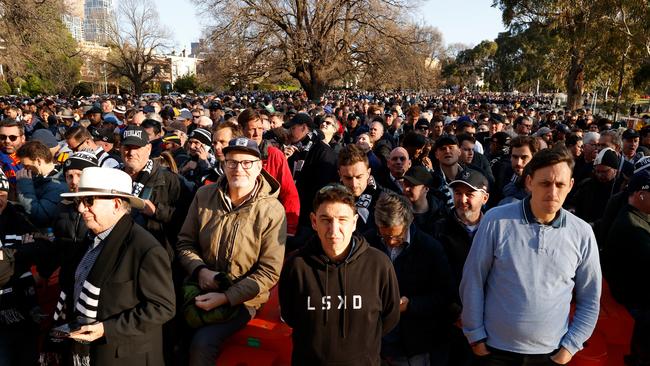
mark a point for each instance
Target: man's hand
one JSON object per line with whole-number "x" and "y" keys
{"x": 88, "y": 333}
{"x": 480, "y": 349}
{"x": 191, "y": 165}
{"x": 149, "y": 208}
{"x": 403, "y": 304}
{"x": 203, "y": 153}
{"x": 562, "y": 356}
{"x": 206, "y": 279}
{"x": 289, "y": 150}
{"x": 24, "y": 174}
{"x": 210, "y": 301}
{"x": 427, "y": 163}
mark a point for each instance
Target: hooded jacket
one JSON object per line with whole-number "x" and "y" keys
{"x": 339, "y": 311}
{"x": 246, "y": 242}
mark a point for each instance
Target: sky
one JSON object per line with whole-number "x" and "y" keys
{"x": 460, "y": 21}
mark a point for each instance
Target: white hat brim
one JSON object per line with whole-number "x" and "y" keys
{"x": 134, "y": 201}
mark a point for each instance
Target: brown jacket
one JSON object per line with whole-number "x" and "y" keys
{"x": 246, "y": 242}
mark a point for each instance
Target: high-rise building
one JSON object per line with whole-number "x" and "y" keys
{"x": 75, "y": 25}
{"x": 98, "y": 15}
{"x": 73, "y": 18}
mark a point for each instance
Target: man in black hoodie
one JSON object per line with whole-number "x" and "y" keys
{"x": 338, "y": 294}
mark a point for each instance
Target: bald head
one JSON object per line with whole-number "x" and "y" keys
{"x": 204, "y": 122}
{"x": 398, "y": 162}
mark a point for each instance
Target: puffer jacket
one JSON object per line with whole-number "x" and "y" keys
{"x": 246, "y": 242}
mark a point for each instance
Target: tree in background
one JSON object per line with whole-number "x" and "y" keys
{"x": 317, "y": 42}
{"x": 37, "y": 47}
{"x": 135, "y": 38}
{"x": 186, "y": 83}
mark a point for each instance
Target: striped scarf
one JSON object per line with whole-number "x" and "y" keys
{"x": 143, "y": 177}
{"x": 88, "y": 305}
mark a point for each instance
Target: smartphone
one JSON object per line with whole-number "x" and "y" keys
{"x": 64, "y": 331}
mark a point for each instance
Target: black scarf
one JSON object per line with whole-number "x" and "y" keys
{"x": 89, "y": 303}
{"x": 142, "y": 179}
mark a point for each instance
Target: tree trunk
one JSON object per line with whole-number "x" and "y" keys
{"x": 312, "y": 83}
{"x": 137, "y": 87}
{"x": 575, "y": 80}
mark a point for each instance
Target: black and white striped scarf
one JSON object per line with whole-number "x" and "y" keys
{"x": 88, "y": 305}
{"x": 143, "y": 177}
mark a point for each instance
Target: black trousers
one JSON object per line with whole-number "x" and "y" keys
{"x": 504, "y": 358}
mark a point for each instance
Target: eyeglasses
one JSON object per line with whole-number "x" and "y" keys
{"x": 193, "y": 116}
{"x": 11, "y": 138}
{"x": 78, "y": 145}
{"x": 400, "y": 158}
{"x": 246, "y": 164}
{"x": 391, "y": 238}
{"x": 327, "y": 123}
{"x": 89, "y": 201}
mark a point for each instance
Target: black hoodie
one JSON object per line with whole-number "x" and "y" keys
{"x": 339, "y": 311}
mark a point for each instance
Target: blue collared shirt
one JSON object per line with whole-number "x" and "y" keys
{"x": 519, "y": 279}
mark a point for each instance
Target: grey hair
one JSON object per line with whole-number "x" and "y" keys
{"x": 154, "y": 116}
{"x": 616, "y": 138}
{"x": 125, "y": 205}
{"x": 591, "y": 137}
{"x": 393, "y": 210}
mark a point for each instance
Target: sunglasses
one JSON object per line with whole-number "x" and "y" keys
{"x": 11, "y": 138}
{"x": 89, "y": 201}
{"x": 76, "y": 147}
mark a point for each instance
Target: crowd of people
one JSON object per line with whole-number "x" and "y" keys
{"x": 401, "y": 228}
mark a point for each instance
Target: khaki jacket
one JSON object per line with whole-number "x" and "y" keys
{"x": 246, "y": 242}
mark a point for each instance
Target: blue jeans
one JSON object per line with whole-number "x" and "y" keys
{"x": 208, "y": 339}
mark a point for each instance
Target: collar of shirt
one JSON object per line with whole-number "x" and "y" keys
{"x": 558, "y": 222}
{"x": 101, "y": 236}
{"x": 252, "y": 194}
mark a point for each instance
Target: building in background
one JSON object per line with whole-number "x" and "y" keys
{"x": 73, "y": 18}
{"x": 98, "y": 15}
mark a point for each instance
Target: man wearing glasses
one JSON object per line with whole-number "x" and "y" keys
{"x": 79, "y": 138}
{"x": 235, "y": 227}
{"x": 523, "y": 126}
{"x": 425, "y": 286}
{"x": 12, "y": 137}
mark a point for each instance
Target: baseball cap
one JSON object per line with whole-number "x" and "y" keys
{"x": 445, "y": 140}
{"x": 501, "y": 138}
{"x": 135, "y": 136}
{"x": 639, "y": 182}
{"x": 244, "y": 145}
{"x": 542, "y": 131}
{"x": 630, "y": 133}
{"x": 45, "y": 137}
{"x": 419, "y": 175}
{"x": 176, "y": 126}
{"x": 607, "y": 157}
{"x": 422, "y": 123}
{"x": 299, "y": 119}
{"x": 642, "y": 164}
{"x": 94, "y": 110}
{"x": 102, "y": 134}
{"x": 471, "y": 178}
{"x": 171, "y": 137}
